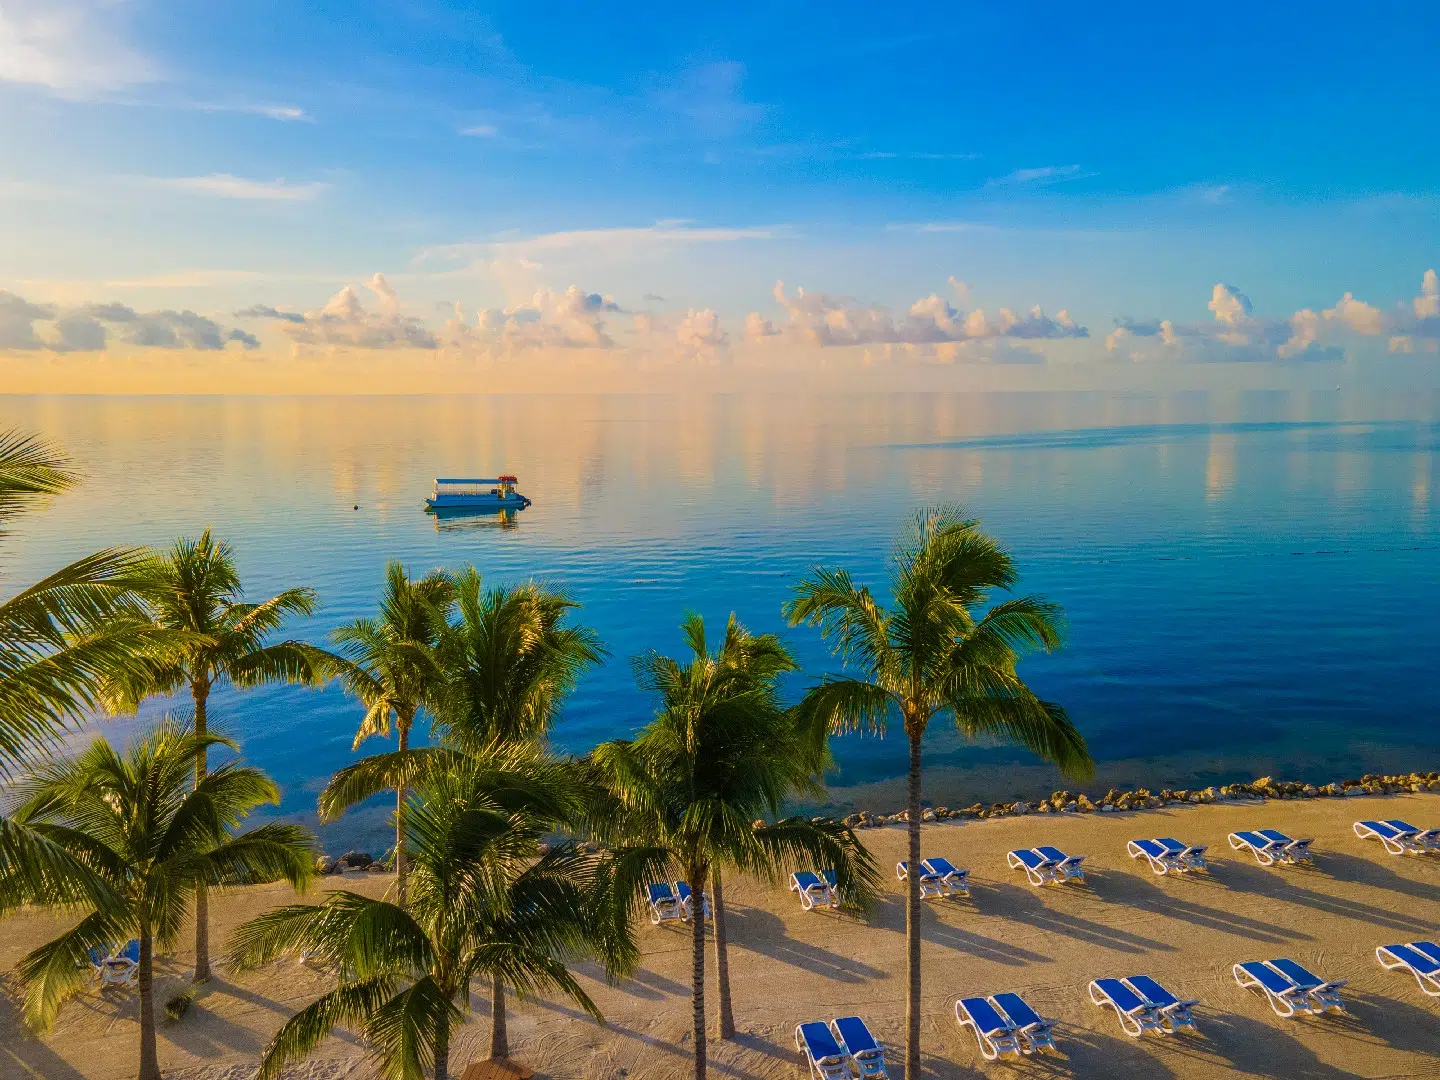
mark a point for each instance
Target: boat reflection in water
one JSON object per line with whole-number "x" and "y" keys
{"x": 461, "y": 519}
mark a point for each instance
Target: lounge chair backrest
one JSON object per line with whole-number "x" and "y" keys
{"x": 1417, "y": 960}
{"x": 1275, "y": 836}
{"x": 819, "y": 1042}
{"x": 1152, "y": 991}
{"x": 1396, "y": 823}
{"x": 1384, "y": 828}
{"x": 805, "y": 879}
{"x": 660, "y": 892}
{"x": 1053, "y": 854}
{"x": 941, "y": 866}
{"x": 1268, "y": 977}
{"x": 1021, "y": 1014}
{"x": 130, "y": 952}
{"x": 985, "y": 1015}
{"x": 1153, "y": 848}
{"x": 1030, "y": 859}
{"x": 1171, "y": 845}
{"x": 1125, "y": 998}
{"x": 855, "y": 1035}
{"x": 1427, "y": 948}
{"x": 1255, "y": 839}
{"x": 98, "y": 955}
{"x": 829, "y": 876}
{"x": 682, "y": 890}
{"x": 1297, "y": 973}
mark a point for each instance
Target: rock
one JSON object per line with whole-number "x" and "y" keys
{"x": 357, "y": 859}
{"x": 376, "y": 868}
{"x": 1310, "y": 791}
{"x": 1434, "y": 785}
{"x": 850, "y": 820}
{"x": 1044, "y": 808}
{"x": 1072, "y": 806}
{"x": 927, "y": 815}
{"x": 1356, "y": 791}
{"x": 1196, "y": 797}
{"x": 1083, "y": 803}
{"x": 1020, "y": 808}
{"x": 1107, "y": 808}
{"x": 326, "y": 865}
{"x": 757, "y": 824}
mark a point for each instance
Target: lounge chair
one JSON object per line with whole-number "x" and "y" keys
{"x": 995, "y": 1034}
{"x": 1423, "y": 963}
{"x": 122, "y": 967}
{"x": 1174, "y": 1012}
{"x": 96, "y": 956}
{"x": 1069, "y": 866}
{"x": 929, "y": 882}
{"x": 1162, "y": 860}
{"x": 1325, "y": 993}
{"x": 1397, "y": 841}
{"x": 1285, "y": 997}
{"x": 823, "y": 1055}
{"x": 1429, "y": 839}
{"x": 1137, "y": 1015}
{"x": 1288, "y": 850}
{"x": 1191, "y": 856}
{"x": 1040, "y": 870}
{"x": 687, "y": 901}
{"x": 955, "y": 880}
{"x": 1267, "y": 851}
{"x": 812, "y": 889}
{"x": 1033, "y": 1029}
{"x": 831, "y": 883}
{"x": 663, "y": 903}
{"x": 865, "y": 1051}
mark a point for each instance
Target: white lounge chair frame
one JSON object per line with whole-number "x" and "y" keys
{"x": 955, "y": 880}
{"x": 830, "y": 1067}
{"x": 930, "y": 885}
{"x": 994, "y": 1042}
{"x": 1134, "y": 1021}
{"x": 1174, "y": 1011}
{"x": 1284, "y": 1002}
{"x": 1429, "y": 979}
{"x": 1397, "y": 841}
{"x": 1047, "y": 872}
{"x": 815, "y": 894}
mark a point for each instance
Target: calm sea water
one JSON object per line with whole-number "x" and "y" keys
{"x": 1252, "y": 582}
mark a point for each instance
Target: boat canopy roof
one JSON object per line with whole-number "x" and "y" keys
{"x": 468, "y": 480}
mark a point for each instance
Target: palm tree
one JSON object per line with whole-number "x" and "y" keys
{"x": 391, "y": 665}
{"x": 933, "y": 653}
{"x": 60, "y": 637}
{"x": 484, "y": 903}
{"x": 127, "y": 838}
{"x": 194, "y": 589}
{"x": 720, "y": 752}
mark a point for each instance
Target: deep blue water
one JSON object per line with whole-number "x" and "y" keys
{"x": 1251, "y": 581}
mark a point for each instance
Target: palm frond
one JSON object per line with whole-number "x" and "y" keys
{"x": 348, "y": 1005}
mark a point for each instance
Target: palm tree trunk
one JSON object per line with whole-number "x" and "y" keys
{"x": 725, "y": 1029}
{"x": 697, "y": 971}
{"x": 200, "y": 692}
{"x": 499, "y": 1035}
{"x": 403, "y": 725}
{"x": 912, "y": 915}
{"x": 149, "y": 1061}
{"x": 442, "y": 1049}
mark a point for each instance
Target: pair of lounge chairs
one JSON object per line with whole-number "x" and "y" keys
{"x": 815, "y": 889}
{"x": 1168, "y": 855}
{"x": 1271, "y": 847}
{"x": 1005, "y": 1024}
{"x": 842, "y": 1050}
{"x": 1142, "y": 1005}
{"x": 673, "y": 900}
{"x": 1290, "y": 987}
{"x": 1047, "y": 865}
{"x": 111, "y": 966}
{"x": 1419, "y": 958}
{"x": 938, "y": 877}
{"x": 1399, "y": 837}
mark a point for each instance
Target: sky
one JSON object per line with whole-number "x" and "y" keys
{"x": 316, "y": 196}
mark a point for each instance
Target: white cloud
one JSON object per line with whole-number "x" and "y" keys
{"x": 1043, "y": 175}
{"x": 345, "y": 321}
{"x": 1229, "y": 304}
{"x": 699, "y": 329}
{"x": 1427, "y": 304}
{"x": 91, "y": 327}
{"x": 74, "y": 48}
{"x": 481, "y": 131}
{"x": 226, "y": 186}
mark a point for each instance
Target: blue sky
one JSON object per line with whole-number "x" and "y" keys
{"x": 1117, "y": 164}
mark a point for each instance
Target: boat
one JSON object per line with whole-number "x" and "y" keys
{"x": 476, "y": 493}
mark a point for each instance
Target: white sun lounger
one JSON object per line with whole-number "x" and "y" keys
{"x": 687, "y": 901}
{"x": 1166, "y": 854}
{"x": 1288, "y": 850}
{"x": 1290, "y": 987}
{"x": 1397, "y": 841}
{"x": 663, "y": 903}
{"x": 824, "y": 1058}
{"x": 929, "y": 883}
{"x": 1429, "y": 839}
{"x": 814, "y": 890}
{"x": 1137, "y": 1015}
{"x": 1325, "y": 993}
{"x": 1419, "y": 958}
{"x": 993, "y": 1031}
{"x": 1175, "y": 1013}
{"x": 1271, "y": 847}
{"x": 1069, "y": 866}
{"x": 122, "y": 968}
{"x": 866, "y": 1053}
{"x": 1034, "y": 1030}
{"x": 1040, "y": 870}
{"x": 955, "y": 880}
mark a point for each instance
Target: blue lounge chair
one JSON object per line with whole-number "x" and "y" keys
{"x": 1424, "y": 963}
{"x": 122, "y": 967}
{"x": 663, "y": 903}
{"x": 955, "y": 880}
{"x": 864, "y": 1049}
{"x": 1397, "y": 841}
{"x": 1069, "y": 866}
{"x": 1040, "y": 870}
{"x": 1136, "y": 1014}
{"x": 812, "y": 889}
{"x": 1429, "y": 839}
{"x": 1288, "y": 850}
{"x": 828, "y": 876}
{"x": 1191, "y": 856}
{"x": 96, "y": 956}
{"x": 1175, "y": 1013}
{"x": 995, "y": 1034}
{"x": 687, "y": 901}
{"x": 1325, "y": 993}
{"x": 929, "y": 882}
{"x": 824, "y": 1058}
{"x": 1034, "y": 1030}
{"x": 1162, "y": 860}
{"x": 1265, "y": 850}
{"x": 1285, "y": 997}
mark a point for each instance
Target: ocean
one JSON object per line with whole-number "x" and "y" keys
{"x": 1252, "y": 581}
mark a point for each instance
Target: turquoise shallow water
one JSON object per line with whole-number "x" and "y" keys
{"x": 1251, "y": 581}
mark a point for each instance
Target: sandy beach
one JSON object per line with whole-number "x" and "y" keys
{"x": 789, "y": 966}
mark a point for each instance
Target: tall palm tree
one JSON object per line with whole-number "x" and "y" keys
{"x": 390, "y": 664}
{"x": 932, "y": 653}
{"x": 126, "y": 837}
{"x": 484, "y": 903}
{"x": 194, "y": 589}
{"x": 60, "y": 637}
{"x": 720, "y": 753}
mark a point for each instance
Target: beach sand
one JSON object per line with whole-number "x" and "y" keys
{"x": 788, "y": 966}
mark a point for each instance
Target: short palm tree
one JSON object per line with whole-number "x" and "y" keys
{"x": 391, "y": 665}
{"x": 62, "y": 636}
{"x": 720, "y": 753}
{"x": 484, "y": 903}
{"x": 194, "y": 589}
{"x": 934, "y": 652}
{"x": 126, "y": 837}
